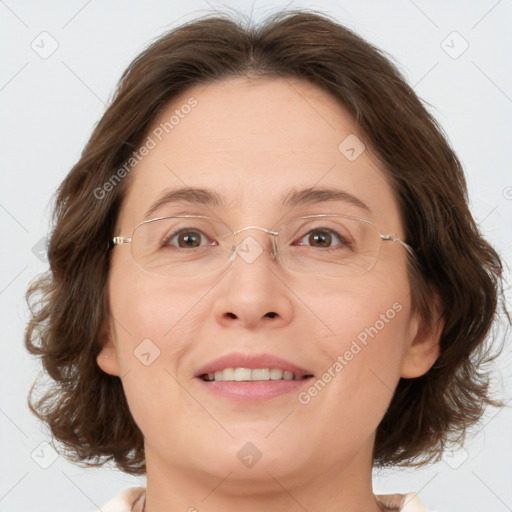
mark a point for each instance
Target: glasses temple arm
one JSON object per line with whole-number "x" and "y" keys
{"x": 392, "y": 238}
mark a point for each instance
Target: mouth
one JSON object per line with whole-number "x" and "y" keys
{"x": 251, "y": 378}
{"x": 251, "y": 375}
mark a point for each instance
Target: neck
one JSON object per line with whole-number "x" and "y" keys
{"x": 341, "y": 487}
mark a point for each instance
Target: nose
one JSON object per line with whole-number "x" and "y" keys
{"x": 254, "y": 293}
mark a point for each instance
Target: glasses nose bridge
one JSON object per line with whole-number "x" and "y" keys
{"x": 255, "y": 227}
{"x": 273, "y": 234}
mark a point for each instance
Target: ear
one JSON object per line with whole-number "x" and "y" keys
{"x": 107, "y": 357}
{"x": 423, "y": 349}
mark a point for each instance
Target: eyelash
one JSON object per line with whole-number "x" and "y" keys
{"x": 166, "y": 242}
{"x": 340, "y": 238}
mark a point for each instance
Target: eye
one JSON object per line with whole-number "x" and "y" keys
{"x": 186, "y": 238}
{"x": 322, "y": 238}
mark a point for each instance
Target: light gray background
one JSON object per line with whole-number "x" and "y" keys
{"x": 49, "y": 107}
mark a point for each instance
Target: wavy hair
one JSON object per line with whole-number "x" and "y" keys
{"x": 86, "y": 409}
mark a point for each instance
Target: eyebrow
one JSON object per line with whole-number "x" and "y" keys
{"x": 200, "y": 196}
{"x": 313, "y": 195}
{"x": 291, "y": 199}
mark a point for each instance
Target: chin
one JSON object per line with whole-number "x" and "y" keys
{"x": 256, "y": 459}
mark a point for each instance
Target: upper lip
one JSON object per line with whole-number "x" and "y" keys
{"x": 253, "y": 361}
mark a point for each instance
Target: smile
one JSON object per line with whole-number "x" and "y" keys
{"x": 251, "y": 378}
{"x": 251, "y": 375}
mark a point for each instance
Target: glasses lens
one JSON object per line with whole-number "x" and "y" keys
{"x": 188, "y": 246}
{"x": 182, "y": 246}
{"x": 334, "y": 246}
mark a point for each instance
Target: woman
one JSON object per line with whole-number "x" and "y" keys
{"x": 265, "y": 278}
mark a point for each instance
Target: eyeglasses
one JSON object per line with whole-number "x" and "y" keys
{"x": 186, "y": 245}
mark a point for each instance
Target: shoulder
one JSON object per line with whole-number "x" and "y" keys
{"x": 129, "y": 500}
{"x": 409, "y": 502}
{"x": 132, "y": 500}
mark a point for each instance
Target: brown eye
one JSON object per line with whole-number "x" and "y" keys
{"x": 189, "y": 239}
{"x": 322, "y": 239}
{"x": 185, "y": 239}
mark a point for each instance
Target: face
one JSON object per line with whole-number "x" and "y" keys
{"x": 251, "y": 143}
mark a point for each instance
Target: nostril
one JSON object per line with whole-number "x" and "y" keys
{"x": 271, "y": 314}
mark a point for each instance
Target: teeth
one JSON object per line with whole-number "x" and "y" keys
{"x": 248, "y": 374}
{"x": 276, "y": 374}
{"x": 260, "y": 374}
{"x": 228, "y": 374}
{"x": 243, "y": 374}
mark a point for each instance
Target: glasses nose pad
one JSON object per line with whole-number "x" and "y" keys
{"x": 232, "y": 251}
{"x": 275, "y": 252}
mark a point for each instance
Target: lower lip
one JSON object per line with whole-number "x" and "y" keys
{"x": 254, "y": 391}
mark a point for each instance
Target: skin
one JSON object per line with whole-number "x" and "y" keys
{"x": 252, "y": 140}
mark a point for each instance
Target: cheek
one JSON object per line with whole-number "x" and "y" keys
{"x": 151, "y": 308}
{"x": 370, "y": 311}
{"x": 154, "y": 325}
{"x": 362, "y": 353}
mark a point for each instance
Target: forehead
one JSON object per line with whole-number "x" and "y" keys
{"x": 255, "y": 143}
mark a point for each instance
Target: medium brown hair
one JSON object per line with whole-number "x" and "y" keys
{"x": 86, "y": 408}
